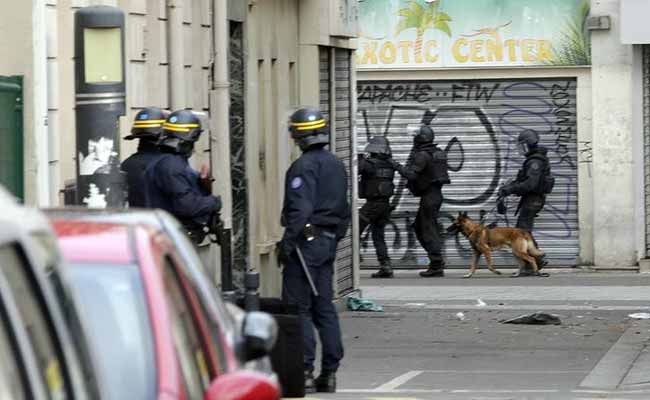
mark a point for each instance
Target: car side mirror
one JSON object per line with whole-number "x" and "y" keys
{"x": 243, "y": 385}
{"x": 260, "y": 332}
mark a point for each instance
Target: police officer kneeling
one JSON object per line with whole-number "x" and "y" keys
{"x": 147, "y": 128}
{"x": 315, "y": 214}
{"x": 173, "y": 185}
{"x": 534, "y": 181}
{"x": 376, "y": 186}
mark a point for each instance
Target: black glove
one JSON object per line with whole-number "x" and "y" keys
{"x": 503, "y": 192}
{"x": 501, "y": 206}
{"x": 215, "y": 228}
{"x": 284, "y": 250}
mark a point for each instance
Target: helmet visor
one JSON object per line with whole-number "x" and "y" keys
{"x": 523, "y": 148}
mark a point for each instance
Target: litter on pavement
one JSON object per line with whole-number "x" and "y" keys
{"x": 534, "y": 319}
{"x": 641, "y": 315}
{"x": 356, "y": 304}
{"x": 460, "y": 316}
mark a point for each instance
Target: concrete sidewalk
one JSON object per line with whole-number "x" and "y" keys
{"x": 563, "y": 286}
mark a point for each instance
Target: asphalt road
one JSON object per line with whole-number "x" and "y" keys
{"x": 419, "y": 347}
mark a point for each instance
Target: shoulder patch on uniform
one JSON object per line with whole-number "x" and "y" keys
{"x": 534, "y": 166}
{"x": 296, "y": 183}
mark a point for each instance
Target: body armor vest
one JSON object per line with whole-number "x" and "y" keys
{"x": 378, "y": 184}
{"x": 547, "y": 181}
{"x": 435, "y": 173}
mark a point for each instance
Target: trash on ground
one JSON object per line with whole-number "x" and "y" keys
{"x": 460, "y": 316}
{"x": 480, "y": 303}
{"x": 641, "y": 315}
{"x": 534, "y": 319}
{"x": 355, "y": 304}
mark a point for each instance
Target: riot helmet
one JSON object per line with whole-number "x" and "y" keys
{"x": 180, "y": 131}
{"x": 425, "y": 136}
{"x": 148, "y": 124}
{"x": 379, "y": 146}
{"x": 308, "y": 128}
{"x": 527, "y": 141}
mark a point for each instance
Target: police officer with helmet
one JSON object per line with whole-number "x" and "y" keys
{"x": 173, "y": 185}
{"x": 376, "y": 173}
{"x": 426, "y": 175}
{"x": 147, "y": 128}
{"x": 534, "y": 181}
{"x": 315, "y": 214}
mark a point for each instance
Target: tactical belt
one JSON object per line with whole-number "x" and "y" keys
{"x": 314, "y": 231}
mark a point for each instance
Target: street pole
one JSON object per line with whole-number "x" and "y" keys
{"x": 100, "y": 86}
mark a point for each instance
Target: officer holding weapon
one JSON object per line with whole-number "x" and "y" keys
{"x": 426, "y": 175}
{"x": 376, "y": 173}
{"x": 174, "y": 186}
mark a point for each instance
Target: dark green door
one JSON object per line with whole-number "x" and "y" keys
{"x": 11, "y": 134}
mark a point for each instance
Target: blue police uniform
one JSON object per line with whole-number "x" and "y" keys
{"x": 315, "y": 194}
{"x": 173, "y": 186}
{"x": 135, "y": 167}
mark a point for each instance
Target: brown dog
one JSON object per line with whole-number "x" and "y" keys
{"x": 484, "y": 240}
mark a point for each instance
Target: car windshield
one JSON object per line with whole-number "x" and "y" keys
{"x": 113, "y": 312}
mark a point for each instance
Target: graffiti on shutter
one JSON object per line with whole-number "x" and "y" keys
{"x": 477, "y": 123}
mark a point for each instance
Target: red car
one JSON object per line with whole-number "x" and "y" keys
{"x": 145, "y": 328}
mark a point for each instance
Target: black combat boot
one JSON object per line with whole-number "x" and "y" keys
{"x": 385, "y": 270}
{"x": 310, "y": 386}
{"x": 436, "y": 270}
{"x": 326, "y": 382}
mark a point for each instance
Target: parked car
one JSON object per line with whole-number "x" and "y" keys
{"x": 149, "y": 332}
{"x": 226, "y": 315}
{"x": 39, "y": 360}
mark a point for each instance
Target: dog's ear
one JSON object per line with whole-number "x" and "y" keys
{"x": 465, "y": 214}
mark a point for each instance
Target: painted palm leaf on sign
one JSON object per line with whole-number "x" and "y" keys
{"x": 574, "y": 46}
{"x": 422, "y": 17}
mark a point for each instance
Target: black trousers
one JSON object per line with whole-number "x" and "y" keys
{"x": 318, "y": 311}
{"x": 427, "y": 229}
{"x": 529, "y": 206}
{"x": 376, "y": 213}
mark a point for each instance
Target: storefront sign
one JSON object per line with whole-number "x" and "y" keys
{"x": 472, "y": 33}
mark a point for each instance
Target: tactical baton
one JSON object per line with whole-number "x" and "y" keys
{"x": 304, "y": 268}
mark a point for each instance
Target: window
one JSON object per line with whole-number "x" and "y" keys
{"x": 13, "y": 385}
{"x": 37, "y": 324}
{"x": 189, "y": 347}
{"x": 115, "y": 320}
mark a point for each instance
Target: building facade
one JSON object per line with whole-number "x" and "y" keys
{"x": 244, "y": 65}
{"x": 482, "y": 73}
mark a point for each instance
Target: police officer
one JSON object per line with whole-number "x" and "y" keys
{"x": 426, "y": 175}
{"x": 316, "y": 214}
{"x": 376, "y": 174}
{"x": 146, "y": 128}
{"x": 173, "y": 185}
{"x": 534, "y": 181}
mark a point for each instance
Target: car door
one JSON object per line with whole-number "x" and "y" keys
{"x": 19, "y": 282}
{"x": 195, "y": 348}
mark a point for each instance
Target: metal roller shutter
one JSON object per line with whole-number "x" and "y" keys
{"x": 345, "y": 278}
{"x": 646, "y": 135}
{"x": 341, "y": 139}
{"x": 477, "y": 123}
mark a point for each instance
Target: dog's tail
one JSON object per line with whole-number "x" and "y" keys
{"x": 532, "y": 249}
